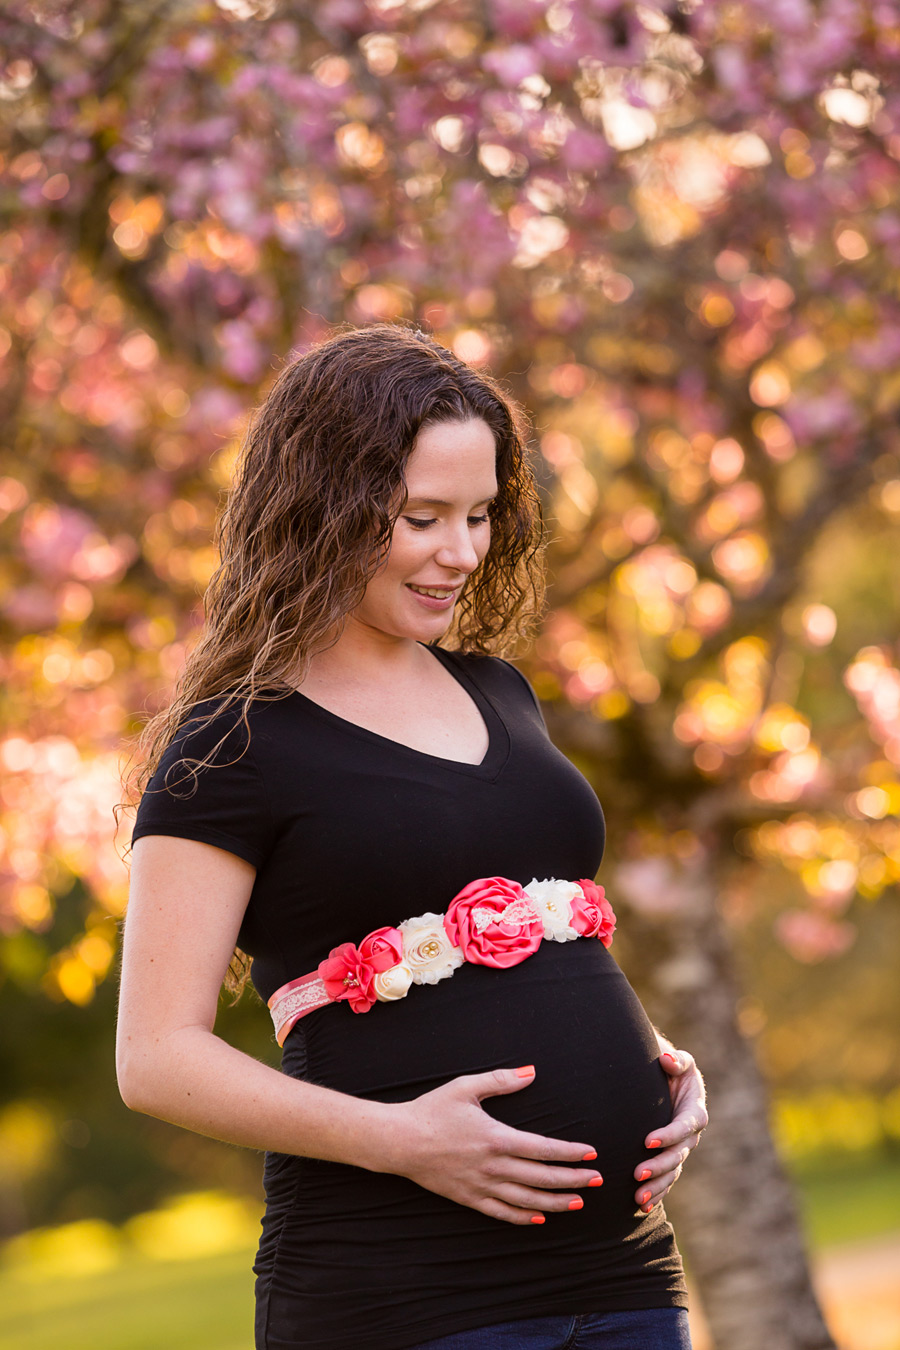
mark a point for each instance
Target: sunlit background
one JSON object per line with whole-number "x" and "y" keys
{"x": 672, "y": 230}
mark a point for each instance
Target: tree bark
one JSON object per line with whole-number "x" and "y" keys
{"x": 733, "y": 1210}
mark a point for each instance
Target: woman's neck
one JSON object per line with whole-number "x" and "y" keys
{"x": 366, "y": 658}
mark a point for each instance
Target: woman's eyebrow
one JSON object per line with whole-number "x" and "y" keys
{"x": 438, "y": 501}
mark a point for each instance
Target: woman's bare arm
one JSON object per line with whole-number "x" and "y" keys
{"x": 185, "y": 907}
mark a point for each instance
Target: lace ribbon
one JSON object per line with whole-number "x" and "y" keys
{"x": 515, "y": 914}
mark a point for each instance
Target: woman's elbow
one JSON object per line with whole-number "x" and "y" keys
{"x": 134, "y": 1079}
{"x": 131, "y": 1101}
{"x": 154, "y": 1060}
{"x": 128, "y": 1091}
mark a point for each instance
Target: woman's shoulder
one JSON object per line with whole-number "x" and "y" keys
{"x": 234, "y": 718}
{"x": 209, "y": 785}
{"x": 494, "y": 674}
{"x": 245, "y": 739}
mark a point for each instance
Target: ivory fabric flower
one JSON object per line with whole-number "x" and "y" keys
{"x": 428, "y": 950}
{"x": 392, "y": 984}
{"x": 553, "y": 899}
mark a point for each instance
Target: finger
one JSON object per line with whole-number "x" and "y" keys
{"x": 543, "y": 1148}
{"x": 651, "y": 1194}
{"x": 679, "y": 1130}
{"x": 686, "y": 1086}
{"x": 538, "y": 1202}
{"x": 494, "y": 1083}
{"x": 656, "y": 1187}
{"x": 660, "y": 1185}
{"x": 662, "y": 1163}
{"x": 674, "y": 1062}
{"x": 498, "y": 1209}
{"x": 523, "y": 1173}
{"x": 677, "y": 1062}
{"x": 647, "y": 1198}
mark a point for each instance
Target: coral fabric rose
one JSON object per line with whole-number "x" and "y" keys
{"x": 494, "y": 923}
{"x": 346, "y": 974}
{"x": 382, "y": 948}
{"x": 593, "y": 915}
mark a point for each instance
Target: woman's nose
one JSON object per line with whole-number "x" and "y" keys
{"x": 458, "y": 550}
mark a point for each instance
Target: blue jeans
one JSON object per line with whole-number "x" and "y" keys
{"x": 647, "y": 1329}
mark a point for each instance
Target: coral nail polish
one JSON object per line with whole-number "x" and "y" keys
{"x": 645, "y": 1197}
{"x": 645, "y": 1175}
{"x": 577, "y": 1203}
{"x": 526, "y": 1071}
{"x": 537, "y": 1218}
{"x": 596, "y": 1181}
{"x": 655, "y": 1143}
{"x": 589, "y": 1157}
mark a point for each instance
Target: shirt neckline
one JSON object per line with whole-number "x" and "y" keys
{"x": 498, "y": 749}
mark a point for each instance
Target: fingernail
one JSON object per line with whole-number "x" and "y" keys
{"x": 537, "y": 1218}
{"x": 577, "y": 1203}
{"x": 647, "y": 1208}
{"x": 655, "y": 1143}
{"x": 671, "y": 1057}
{"x": 527, "y": 1071}
{"x": 589, "y": 1157}
{"x": 596, "y": 1181}
{"x": 645, "y": 1175}
{"x": 645, "y": 1197}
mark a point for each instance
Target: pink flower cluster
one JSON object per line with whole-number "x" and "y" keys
{"x": 492, "y": 922}
{"x": 349, "y": 972}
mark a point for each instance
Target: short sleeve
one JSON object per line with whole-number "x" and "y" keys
{"x": 223, "y": 803}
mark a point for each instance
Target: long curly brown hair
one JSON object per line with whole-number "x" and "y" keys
{"x": 318, "y": 486}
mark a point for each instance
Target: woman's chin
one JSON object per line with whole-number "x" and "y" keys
{"x": 429, "y": 624}
{"x": 430, "y": 632}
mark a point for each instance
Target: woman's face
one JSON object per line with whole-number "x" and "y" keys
{"x": 440, "y": 538}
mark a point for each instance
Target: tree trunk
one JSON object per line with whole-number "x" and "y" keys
{"x": 733, "y": 1210}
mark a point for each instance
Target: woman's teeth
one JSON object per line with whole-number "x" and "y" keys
{"x": 438, "y": 595}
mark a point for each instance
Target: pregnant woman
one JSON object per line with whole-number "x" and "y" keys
{"x": 474, "y": 1126}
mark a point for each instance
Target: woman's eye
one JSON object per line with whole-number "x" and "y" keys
{"x": 419, "y": 524}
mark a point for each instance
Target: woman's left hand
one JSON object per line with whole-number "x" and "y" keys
{"x": 680, "y": 1136}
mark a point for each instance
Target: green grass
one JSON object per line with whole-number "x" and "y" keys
{"x": 207, "y": 1303}
{"x": 204, "y": 1304}
{"x": 849, "y": 1197}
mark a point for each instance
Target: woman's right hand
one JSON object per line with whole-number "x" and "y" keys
{"x": 445, "y": 1142}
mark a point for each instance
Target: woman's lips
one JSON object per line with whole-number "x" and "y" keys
{"x": 441, "y": 597}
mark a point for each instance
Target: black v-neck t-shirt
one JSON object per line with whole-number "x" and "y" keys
{"x": 350, "y": 831}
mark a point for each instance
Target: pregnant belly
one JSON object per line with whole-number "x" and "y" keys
{"x": 343, "y": 1247}
{"x": 568, "y": 1010}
